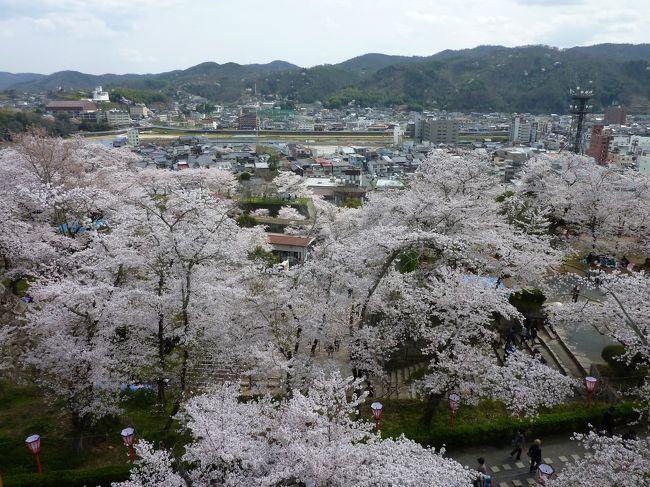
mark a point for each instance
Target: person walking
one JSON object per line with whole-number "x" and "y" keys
{"x": 535, "y": 454}
{"x": 608, "y": 421}
{"x": 575, "y": 292}
{"x": 533, "y": 334}
{"x": 482, "y": 469}
{"x": 518, "y": 444}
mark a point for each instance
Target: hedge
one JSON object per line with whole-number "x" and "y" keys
{"x": 102, "y": 476}
{"x": 500, "y": 431}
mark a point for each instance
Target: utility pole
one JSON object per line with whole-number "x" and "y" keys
{"x": 579, "y": 107}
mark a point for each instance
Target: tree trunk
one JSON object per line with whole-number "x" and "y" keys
{"x": 181, "y": 395}
{"x": 161, "y": 360}
{"x": 78, "y": 425}
{"x": 432, "y": 405}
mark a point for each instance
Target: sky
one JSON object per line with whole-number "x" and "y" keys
{"x": 153, "y": 36}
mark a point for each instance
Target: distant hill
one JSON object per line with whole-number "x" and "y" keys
{"x": 486, "y": 78}
{"x": 616, "y": 52}
{"x": 9, "y": 79}
{"x": 372, "y": 62}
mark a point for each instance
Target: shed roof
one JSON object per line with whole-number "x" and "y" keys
{"x": 293, "y": 240}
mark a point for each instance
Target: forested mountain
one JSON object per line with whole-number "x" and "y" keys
{"x": 9, "y": 79}
{"x": 485, "y": 78}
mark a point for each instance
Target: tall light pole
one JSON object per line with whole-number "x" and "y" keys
{"x": 454, "y": 402}
{"x": 590, "y": 384}
{"x": 33, "y": 443}
{"x": 128, "y": 436}
{"x": 377, "y": 412}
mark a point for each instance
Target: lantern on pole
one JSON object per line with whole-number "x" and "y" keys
{"x": 128, "y": 436}
{"x": 454, "y": 402}
{"x": 377, "y": 411}
{"x": 34, "y": 446}
{"x": 544, "y": 472}
{"x": 590, "y": 384}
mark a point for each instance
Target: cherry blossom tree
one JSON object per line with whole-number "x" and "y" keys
{"x": 413, "y": 261}
{"x": 74, "y": 346}
{"x": 614, "y": 461}
{"x": 312, "y": 438}
{"x": 166, "y": 248}
{"x": 620, "y": 310}
{"x": 607, "y": 205}
{"x": 179, "y": 254}
{"x": 289, "y": 213}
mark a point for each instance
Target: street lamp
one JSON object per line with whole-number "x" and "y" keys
{"x": 590, "y": 384}
{"x": 544, "y": 472}
{"x": 34, "y": 446}
{"x": 128, "y": 436}
{"x": 454, "y": 402}
{"x": 377, "y": 411}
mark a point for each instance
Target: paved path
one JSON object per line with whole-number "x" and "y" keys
{"x": 507, "y": 472}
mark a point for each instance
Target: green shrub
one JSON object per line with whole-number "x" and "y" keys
{"x": 610, "y": 355}
{"x": 246, "y": 220}
{"x": 489, "y": 424}
{"x": 528, "y": 297}
{"x": 102, "y": 476}
{"x": 352, "y": 203}
{"x": 408, "y": 261}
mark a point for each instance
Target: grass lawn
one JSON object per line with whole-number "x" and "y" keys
{"x": 24, "y": 411}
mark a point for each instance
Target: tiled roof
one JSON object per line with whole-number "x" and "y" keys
{"x": 293, "y": 240}
{"x": 72, "y": 105}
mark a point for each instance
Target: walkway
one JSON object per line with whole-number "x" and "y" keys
{"x": 507, "y": 472}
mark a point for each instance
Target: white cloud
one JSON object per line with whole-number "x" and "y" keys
{"x": 159, "y": 35}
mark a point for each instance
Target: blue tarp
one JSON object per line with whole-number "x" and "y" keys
{"x": 487, "y": 281}
{"x": 73, "y": 228}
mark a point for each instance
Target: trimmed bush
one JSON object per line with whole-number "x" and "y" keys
{"x": 246, "y": 220}
{"x": 497, "y": 431}
{"x": 102, "y": 476}
{"x": 610, "y": 354}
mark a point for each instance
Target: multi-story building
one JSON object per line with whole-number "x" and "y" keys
{"x": 615, "y": 115}
{"x": 73, "y": 108}
{"x": 522, "y": 130}
{"x": 599, "y": 144}
{"x": 440, "y": 131}
{"x": 100, "y": 95}
{"x": 118, "y": 117}
{"x": 133, "y": 138}
{"x": 139, "y": 110}
{"x": 249, "y": 119}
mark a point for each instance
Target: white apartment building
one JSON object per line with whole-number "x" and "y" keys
{"x": 99, "y": 95}
{"x": 522, "y": 131}
{"x": 133, "y": 138}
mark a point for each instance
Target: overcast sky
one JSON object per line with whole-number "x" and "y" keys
{"x": 151, "y": 36}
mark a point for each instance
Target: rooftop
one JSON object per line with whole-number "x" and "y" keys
{"x": 293, "y": 240}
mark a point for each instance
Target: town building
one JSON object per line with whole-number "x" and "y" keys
{"x": 522, "y": 131}
{"x": 440, "y": 131}
{"x": 118, "y": 117}
{"x": 139, "y": 110}
{"x": 599, "y": 143}
{"x": 133, "y": 138}
{"x": 615, "y": 115}
{"x": 289, "y": 247}
{"x": 73, "y": 108}
{"x": 248, "y": 119}
{"x": 99, "y": 95}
